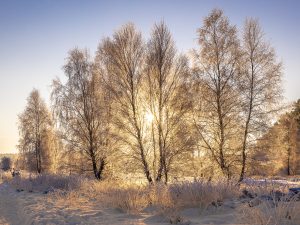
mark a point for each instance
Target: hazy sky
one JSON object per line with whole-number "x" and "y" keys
{"x": 35, "y": 37}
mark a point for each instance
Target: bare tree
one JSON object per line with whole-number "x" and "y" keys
{"x": 260, "y": 84}
{"x": 216, "y": 66}
{"x": 34, "y": 123}
{"x": 290, "y": 140}
{"x": 122, "y": 57}
{"x": 166, "y": 88}
{"x": 81, "y": 112}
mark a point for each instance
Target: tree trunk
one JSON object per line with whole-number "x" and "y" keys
{"x": 289, "y": 162}
{"x": 142, "y": 153}
{"x": 244, "y": 148}
{"x": 95, "y": 170}
{"x": 160, "y": 133}
{"x": 101, "y": 169}
{"x": 166, "y": 172}
{"x": 244, "y": 152}
{"x": 36, "y": 157}
{"x": 222, "y": 137}
{"x": 139, "y": 137}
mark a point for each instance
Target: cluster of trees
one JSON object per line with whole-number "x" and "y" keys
{"x": 38, "y": 143}
{"x": 141, "y": 107}
{"x": 278, "y": 150}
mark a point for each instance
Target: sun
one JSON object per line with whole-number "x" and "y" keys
{"x": 149, "y": 117}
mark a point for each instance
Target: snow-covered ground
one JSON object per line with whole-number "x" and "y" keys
{"x": 24, "y": 208}
{"x": 293, "y": 182}
{"x": 11, "y": 207}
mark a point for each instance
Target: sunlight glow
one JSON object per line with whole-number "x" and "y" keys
{"x": 149, "y": 117}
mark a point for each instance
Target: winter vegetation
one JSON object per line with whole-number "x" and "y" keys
{"x": 6, "y": 163}
{"x": 141, "y": 134}
{"x": 142, "y": 108}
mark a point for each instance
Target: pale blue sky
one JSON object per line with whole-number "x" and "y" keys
{"x": 35, "y": 37}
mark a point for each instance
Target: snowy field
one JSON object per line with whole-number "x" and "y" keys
{"x": 185, "y": 203}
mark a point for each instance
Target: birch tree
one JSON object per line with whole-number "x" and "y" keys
{"x": 260, "y": 85}
{"x": 82, "y": 116}
{"x": 166, "y": 87}
{"x": 216, "y": 67}
{"x": 122, "y": 58}
{"x": 34, "y": 124}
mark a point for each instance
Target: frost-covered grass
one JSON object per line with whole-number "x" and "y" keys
{"x": 169, "y": 200}
{"x": 46, "y": 183}
{"x": 202, "y": 194}
{"x": 131, "y": 198}
{"x": 163, "y": 199}
{"x": 274, "y": 203}
{"x": 5, "y": 176}
{"x": 275, "y": 212}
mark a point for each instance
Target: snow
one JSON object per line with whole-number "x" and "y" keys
{"x": 26, "y": 208}
{"x": 269, "y": 181}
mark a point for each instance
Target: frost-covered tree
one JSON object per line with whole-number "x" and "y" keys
{"x": 168, "y": 103}
{"x": 260, "y": 86}
{"x": 122, "y": 59}
{"x": 34, "y": 123}
{"x": 217, "y": 119}
{"x": 81, "y": 111}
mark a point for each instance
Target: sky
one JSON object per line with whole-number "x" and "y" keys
{"x": 35, "y": 37}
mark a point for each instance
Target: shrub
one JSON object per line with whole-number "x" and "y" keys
{"x": 6, "y": 163}
{"x": 202, "y": 194}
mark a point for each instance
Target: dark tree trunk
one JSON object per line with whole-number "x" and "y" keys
{"x": 95, "y": 170}
{"x": 246, "y": 132}
{"x": 166, "y": 172}
{"x": 98, "y": 171}
{"x": 101, "y": 168}
{"x": 289, "y": 162}
{"x": 38, "y": 157}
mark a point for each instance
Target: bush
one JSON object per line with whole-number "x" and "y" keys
{"x": 6, "y": 163}
{"x": 166, "y": 199}
{"x": 202, "y": 194}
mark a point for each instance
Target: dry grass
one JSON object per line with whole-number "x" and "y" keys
{"x": 266, "y": 188}
{"x": 130, "y": 198}
{"x": 47, "y": 183}
{"x": 166, "y": 200}
{"x": 274, "y": 212}
{"x": 70, "y": 199}
{"x": 160, "y": 197}
{"x": 5, "y": 176}
{"x": 276, "y": 206}
{"x": 202, "y": 194}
